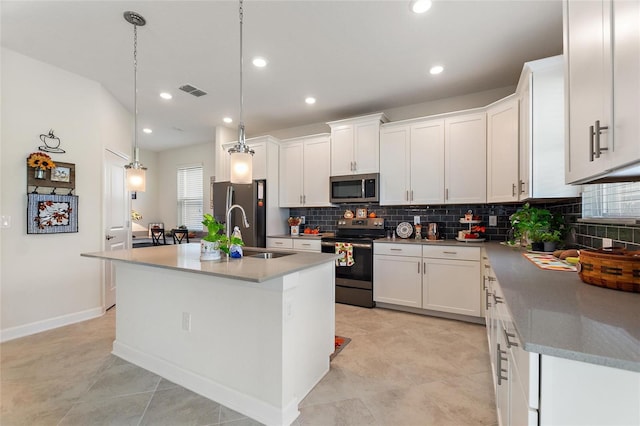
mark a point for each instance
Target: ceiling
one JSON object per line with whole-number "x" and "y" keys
{"x": 355, "y": 57}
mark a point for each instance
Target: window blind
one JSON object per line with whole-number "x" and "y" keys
{"x": 190, "y": 194}
{"x": 611, "y": 200}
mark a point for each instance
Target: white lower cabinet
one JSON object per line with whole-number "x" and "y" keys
{"x": 438, "y": 278}
{"x": 294, "y": 243}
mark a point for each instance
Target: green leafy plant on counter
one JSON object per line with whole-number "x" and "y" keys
{"x": 216, "y": 233}
{"x": 532, "y": 224}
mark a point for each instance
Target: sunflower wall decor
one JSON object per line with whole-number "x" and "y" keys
{"x": 52, "y": 214}
{"x": 40, "y": 162}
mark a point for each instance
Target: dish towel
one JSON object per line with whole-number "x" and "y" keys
{"x": 345, "y": 250}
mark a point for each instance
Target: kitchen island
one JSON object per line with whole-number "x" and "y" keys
{"x": 253, "y": 334}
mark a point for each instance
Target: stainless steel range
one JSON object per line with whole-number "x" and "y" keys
{"x": 354, "y": 271}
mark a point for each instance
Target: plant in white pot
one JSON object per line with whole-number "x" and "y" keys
{"x": 215, "y": 241}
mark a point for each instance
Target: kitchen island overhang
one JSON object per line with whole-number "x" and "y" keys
{"x": 252, "y": 334}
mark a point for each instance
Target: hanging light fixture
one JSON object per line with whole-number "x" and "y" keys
{"x": 241, "y": 154}
{"x": 136, "y": 172}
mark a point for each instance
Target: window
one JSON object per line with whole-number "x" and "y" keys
{"x": 190, "y": 197}
{"x": 611, "y": 200}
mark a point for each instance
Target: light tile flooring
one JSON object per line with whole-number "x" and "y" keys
{"x": 399, "y": 369}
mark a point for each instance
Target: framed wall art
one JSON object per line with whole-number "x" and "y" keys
{"x": 52, "y": 214}
{"x": 361, "y": 213}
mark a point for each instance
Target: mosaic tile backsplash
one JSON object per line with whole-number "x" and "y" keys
{"x": 581, "y": 235}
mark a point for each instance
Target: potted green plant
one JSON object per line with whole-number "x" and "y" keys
{"x": 531, "y": 224}
{"x": 215, "y": 241}
{"x": 550, "y": 239}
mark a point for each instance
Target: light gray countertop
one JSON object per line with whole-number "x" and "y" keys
{"x": 556, "y": 314}
{"x": 303, "y": 236}
{"x": 186, "y": 257}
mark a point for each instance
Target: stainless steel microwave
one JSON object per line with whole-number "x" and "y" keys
{"x": 355, "y": 188}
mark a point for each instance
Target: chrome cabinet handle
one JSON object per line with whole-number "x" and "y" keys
{"x": 513, "y": 189}
{"x": 406, "y": 195}
{"x": 594, "y": 140}
{"x": 522, "y": 191}
{"x": 355, "y": 166}
{"x": 446, "y": 194}
{"x": 449, "y": 252}
{"x": 304, "y": 199}
{"x": 490, "y": 278}
{"x": 507, "y": 336}
{"x": 109, "y": 237}
{"x": 419, "y": 267}
{"x": 487, "y": 304}
{"x": 395, "y": 249}
{"x": 499, "y": 369}
{"x": 411, "y": 198}
{"x": 497, "y": 299}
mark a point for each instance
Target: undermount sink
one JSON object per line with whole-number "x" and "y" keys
{"x": 265, "y": 254}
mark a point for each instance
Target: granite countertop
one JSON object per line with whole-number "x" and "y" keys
{"x": 424, "y": 241}
{"x": 186, "y": 257}
{"x": 556, "y": 314}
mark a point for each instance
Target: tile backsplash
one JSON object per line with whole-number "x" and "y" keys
{"x": 581, "y": 235}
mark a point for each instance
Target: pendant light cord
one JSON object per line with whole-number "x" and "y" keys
{"x": 241, "y": 135}
{"x": 135, "y": 95}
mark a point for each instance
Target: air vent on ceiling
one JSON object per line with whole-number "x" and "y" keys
{"x": 193, "y": 90}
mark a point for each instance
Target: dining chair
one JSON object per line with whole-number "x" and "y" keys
{"x": 180, "y": 235}
{"x": 157, "y": 234}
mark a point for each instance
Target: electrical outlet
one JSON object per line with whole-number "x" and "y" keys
{"x": 607, "y": 242}
{"x": 5, "y": 222}
{"x": 416, "y": 220}
{"x": 493, "y": 220}
{"x": 186, "y": 321}
{"x": 303, "y": 220}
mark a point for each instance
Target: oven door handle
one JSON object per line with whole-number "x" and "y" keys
{"x": 354, "y": 245}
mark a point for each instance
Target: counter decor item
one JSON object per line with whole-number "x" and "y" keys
{"x": 348, "y": 214}
{"x": 615, "y": 268}
{"x": 294, "y": 223}
{"x": 418, "y": 235}
{"x": 531, "y": 225}
{"x": 215, "y": 241}
{"x": 404, "y": 229}
{"x": 361, "y": 213}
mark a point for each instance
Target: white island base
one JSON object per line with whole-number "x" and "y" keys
{"x": 255, "y": 347}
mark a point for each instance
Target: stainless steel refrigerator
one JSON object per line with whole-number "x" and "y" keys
{"x": 252, "y": 198}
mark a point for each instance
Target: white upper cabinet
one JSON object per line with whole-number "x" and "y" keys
{"x": 502, "y": 151}
{"x": 304, "y": 171}
{"x": 266, "y": 152}
{"x": 602, "y": 54}
{"x": 542, "y": 131}
{"x": 412, "y": 163}
{"x": 465, "y": 167}
{"x": 355, "y": 145}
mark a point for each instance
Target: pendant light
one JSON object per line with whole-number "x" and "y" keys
{"x": 241, "y": 154}
{"x": 136, "y": 172}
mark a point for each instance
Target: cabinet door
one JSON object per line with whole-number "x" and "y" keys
{"x": 465, "y": 159}
{"x": 291, "y": 174}
{"x": 427, "y": 163}
{"x": 451, "y": 286}
{"x": 366, "y": 147}
{"x": 397, "y": 280}
{"x": 525, "y": 141}
{"x": 342, "y": 150}
{"x": 587, "y": 56}
{"x": 626, "y": 82}
{"x": 502, "y": 152}
{"x": 317, "y": 168}
{"x": 280, "y": 243}
{"x": 394, "y": 166}
{"x": 259, "y": 160}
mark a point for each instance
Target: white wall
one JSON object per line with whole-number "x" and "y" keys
{"x": 44, "y": 282}
{"x": 166, "y": 180}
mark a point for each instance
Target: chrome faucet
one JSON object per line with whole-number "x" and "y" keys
{"x": 244, "y": 218}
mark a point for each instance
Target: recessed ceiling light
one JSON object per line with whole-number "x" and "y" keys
{"x": 436, "y": 69}
{"x": 259, "y": 62}
{"x": 420, "y": 6}
{"x": 310, "y": 100}
{"x": 227, "y": 120}
{"x": 147, "y": 130}
{"x": 166, "y": 95}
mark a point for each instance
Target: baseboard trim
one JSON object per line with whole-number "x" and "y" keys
{"x": 428, "y": 312}
{"x": 238, "y": 401}
{"x": 49, "y": 324}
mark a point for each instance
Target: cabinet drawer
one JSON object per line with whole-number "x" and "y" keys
{"x": 307, "y": 244}
{"x": 414, "y": 250}
{"x": 283, "y": 243}
{"x": 451, "y": 252}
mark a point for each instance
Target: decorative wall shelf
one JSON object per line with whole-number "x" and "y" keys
{"x": 62, "y": 177}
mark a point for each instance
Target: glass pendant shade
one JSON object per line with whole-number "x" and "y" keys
{"x": 136, "y": 178}
{"x": 241, "y": 167}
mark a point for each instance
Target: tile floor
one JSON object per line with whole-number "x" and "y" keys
{"x": 399, "y": 369}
